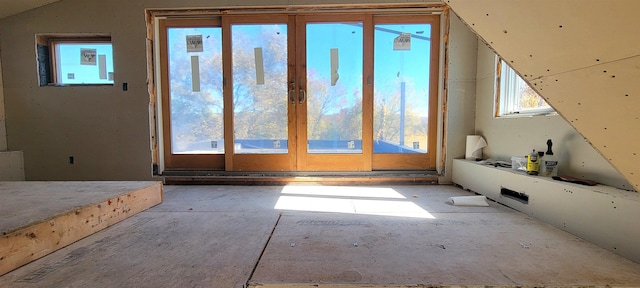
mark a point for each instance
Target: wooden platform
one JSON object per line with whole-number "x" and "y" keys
{"x": 37, "y": 218}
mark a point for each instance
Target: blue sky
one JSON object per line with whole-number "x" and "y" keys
{"x": 391, "y": 66}
{"x": 69, "y": 63}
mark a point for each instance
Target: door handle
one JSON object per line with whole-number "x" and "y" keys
{"x": 302, "y": 96}
{"x": 292, "y": 93}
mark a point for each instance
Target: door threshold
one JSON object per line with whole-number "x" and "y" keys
{"x": 284, "y": 178}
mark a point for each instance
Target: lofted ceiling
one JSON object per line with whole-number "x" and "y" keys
{"x": 12, "y": 7}
{"x": 582, "y": 56}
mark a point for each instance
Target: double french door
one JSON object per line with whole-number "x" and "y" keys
{"x": 350, "y": 92}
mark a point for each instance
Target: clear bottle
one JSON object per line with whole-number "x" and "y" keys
{"x": 549, "y": 165}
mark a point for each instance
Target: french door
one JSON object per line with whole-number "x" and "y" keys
{"x": 297, "y": 93}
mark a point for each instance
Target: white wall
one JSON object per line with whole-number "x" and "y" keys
{"x": 518, "y": 136}
{"x": 460, "y": 100}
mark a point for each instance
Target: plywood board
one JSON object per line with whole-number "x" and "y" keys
{"x": 212, "y": 236}
{"x": 201, "y": 236}
{"x": 496, "y": 249}
{"x": 458, "y": 247}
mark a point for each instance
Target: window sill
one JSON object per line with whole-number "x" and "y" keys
{"x": 76, "y": 85}
{"x": 528, "y": 114}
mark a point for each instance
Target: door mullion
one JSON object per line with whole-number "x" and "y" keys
{"x": 367, "y": 93}
{"x": 293, "y": 89}
{"x": 300, "y": 76}
{"x": 334, "y": 97}
{"x": 227, "y": 93}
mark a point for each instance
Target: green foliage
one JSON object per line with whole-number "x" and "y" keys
{"x": 332, "y": 112}
{"x": 386, "y": 118}
{"x": 530, "y": 99}
{"x": 260, "y": 110}
{"x": 195, "y": 116}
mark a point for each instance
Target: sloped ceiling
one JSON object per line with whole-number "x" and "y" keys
{"x": 582, "y": 56}
{"x": 12, "y": 7}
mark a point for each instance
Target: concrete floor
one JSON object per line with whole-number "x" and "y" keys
{"x": 310, "y": 236}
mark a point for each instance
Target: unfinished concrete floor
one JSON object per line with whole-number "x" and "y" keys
{"x": 310, "y": 236}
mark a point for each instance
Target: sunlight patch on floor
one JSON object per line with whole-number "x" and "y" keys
{"x": 349, "y": 200}
{"x": 342, "y": 191}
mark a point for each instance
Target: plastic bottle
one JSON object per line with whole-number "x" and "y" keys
{"x": 549, "y": 164}
{"x": 533, "y": 163}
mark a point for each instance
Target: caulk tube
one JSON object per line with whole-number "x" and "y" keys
{"x": 533, "y": 163}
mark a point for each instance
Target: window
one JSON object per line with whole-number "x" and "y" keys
{"x": 75, "y": 60}
{"x": 515, "y": 96}
{"x": 299, "y": 92}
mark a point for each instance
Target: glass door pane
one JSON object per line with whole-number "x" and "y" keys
{"x": 260, "y": 109}
{"x": 195, "y": 90}
{"x": 334, "y": 59}
{"x": 402, "y": 54}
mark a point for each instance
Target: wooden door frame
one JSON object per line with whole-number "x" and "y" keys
{"x": 181, "y": 161}
{"x": 256, "y": 162}
{"x": 297, "y": 133}
{"x": 389, "y": 161}
{"x": 336, "y": 162}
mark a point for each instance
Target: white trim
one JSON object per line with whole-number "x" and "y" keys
{"x": 510, "y": 85}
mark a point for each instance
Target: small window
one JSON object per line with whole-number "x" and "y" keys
{"x": 515, "y": 96}
{"x": 75, "y": 61}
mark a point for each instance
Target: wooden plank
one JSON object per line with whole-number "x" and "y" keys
{"x": 212, "y": 236}
{"x": 25, "y": 244}
{"x": 326, "y": 180}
